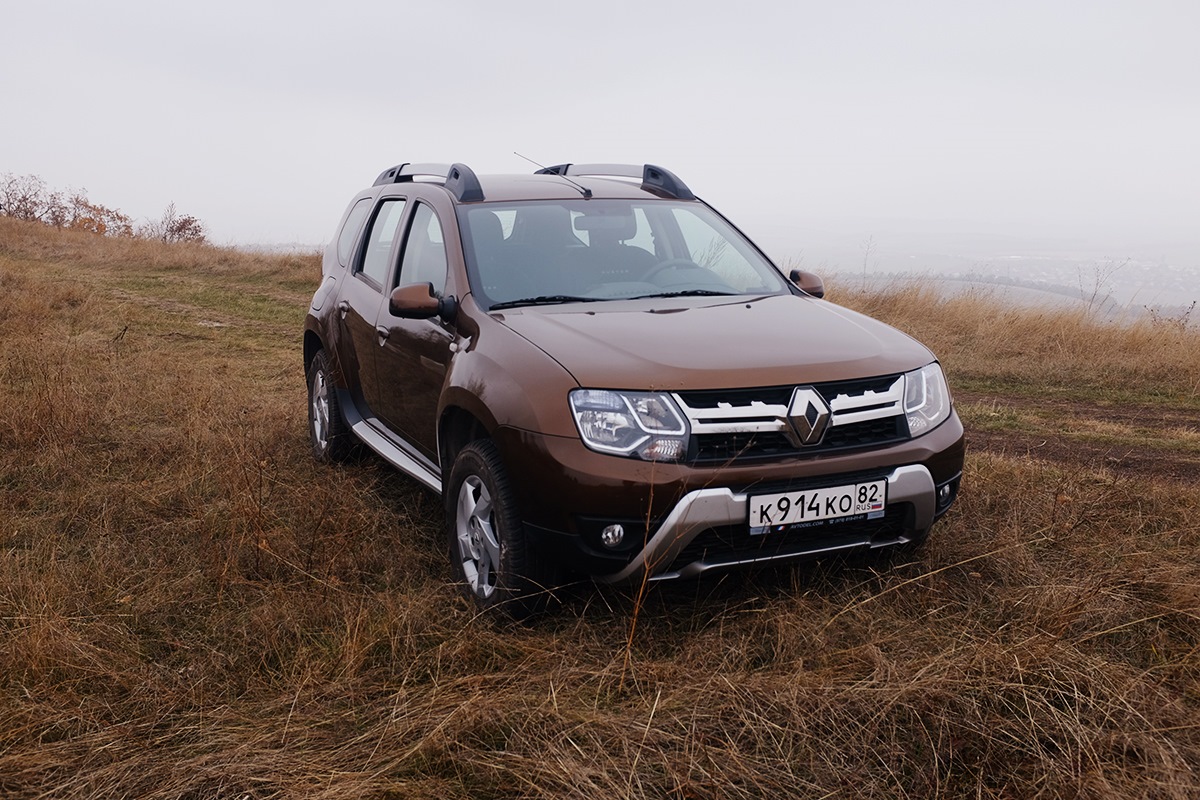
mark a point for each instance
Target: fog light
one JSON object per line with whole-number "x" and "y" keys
{"x": 612, "y": 535}
{"x": 945, "y": 495}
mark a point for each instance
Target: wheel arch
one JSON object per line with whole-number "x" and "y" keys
{"x": 457, "y": 428}
{"x": 312, "y": 344}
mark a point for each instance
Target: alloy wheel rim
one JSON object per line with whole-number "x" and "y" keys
{"x": 475, "y": 531}
{"x": 320, "y": 410}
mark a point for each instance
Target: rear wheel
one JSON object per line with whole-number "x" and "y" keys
{"x": 487, "y": 541}
{"x": 327, "y": 429}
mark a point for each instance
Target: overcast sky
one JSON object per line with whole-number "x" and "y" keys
{"x": 803, "y": 121}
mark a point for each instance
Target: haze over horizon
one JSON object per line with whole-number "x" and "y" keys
{"x": 829, "y": 132}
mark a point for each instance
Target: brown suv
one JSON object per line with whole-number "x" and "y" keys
{"x": 601, "y": 375}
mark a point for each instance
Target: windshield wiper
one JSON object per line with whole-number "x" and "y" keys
{"x": 545, "y": 300}
{"x": 690, "y": 293}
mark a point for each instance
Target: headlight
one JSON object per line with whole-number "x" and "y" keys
{"x": 926, "y": 399}
{"x": 647, "y": 425}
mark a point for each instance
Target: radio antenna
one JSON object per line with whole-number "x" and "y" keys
{"x": 586, "y": 192}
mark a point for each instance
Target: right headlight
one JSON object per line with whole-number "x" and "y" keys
{"x": 926, "y": 399}
{"x": 645, "y": 425}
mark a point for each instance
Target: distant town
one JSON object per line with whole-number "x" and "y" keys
{"x": 1112, "y": 286}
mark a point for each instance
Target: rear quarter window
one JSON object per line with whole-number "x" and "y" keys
{"x": 350, "y": 228}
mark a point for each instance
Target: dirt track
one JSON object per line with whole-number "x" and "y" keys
{"x": 1138, "y": 457}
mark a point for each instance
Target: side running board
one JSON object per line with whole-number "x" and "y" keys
{"x": 389, "y": 450}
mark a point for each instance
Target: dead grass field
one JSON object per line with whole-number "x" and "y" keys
{"x": 191, "y": 608}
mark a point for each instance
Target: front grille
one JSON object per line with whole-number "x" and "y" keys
{"x": 734, "y": 543}
{"x": 771, "y": 395}
{"x": 726, "y": 447}
{"x": 742, "y": 424}
{"x": 862, "y": 434}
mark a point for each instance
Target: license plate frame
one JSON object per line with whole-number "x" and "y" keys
{"x": 818, "y": 506}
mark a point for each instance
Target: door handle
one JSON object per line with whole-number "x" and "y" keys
{"x": 383, "y": 334}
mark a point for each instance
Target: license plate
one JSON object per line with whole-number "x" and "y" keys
{"x": 788, "y": 509}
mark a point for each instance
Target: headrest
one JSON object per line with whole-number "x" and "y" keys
{"x": 486, "y": 227}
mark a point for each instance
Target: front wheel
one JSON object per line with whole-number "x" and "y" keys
{"x": 487, "y": 541}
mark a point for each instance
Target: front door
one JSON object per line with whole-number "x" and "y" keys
{"x": 361, "y": 299}
{"x": 411, "y": 364}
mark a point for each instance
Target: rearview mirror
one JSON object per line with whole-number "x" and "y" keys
{"x": 808, "y": 283}
{"x": 420, "y": 301}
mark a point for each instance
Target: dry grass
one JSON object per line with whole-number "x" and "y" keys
{"x": 189, "y": 608}
{"x": 1041, "y": 352}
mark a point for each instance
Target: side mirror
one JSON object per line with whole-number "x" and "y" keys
{"x": 420, "y": 301}
{"x": 808, "y": 283}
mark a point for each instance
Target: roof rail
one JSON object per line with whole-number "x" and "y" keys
{"x": 460, "y": 180}
{"x": 655, "y": 179}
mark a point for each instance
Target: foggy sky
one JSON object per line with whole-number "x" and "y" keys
{"x": 807, "y": 123}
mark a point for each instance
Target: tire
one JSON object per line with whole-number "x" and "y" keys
{"x": 488, "y": 546}
{"x": 327, "y": 431}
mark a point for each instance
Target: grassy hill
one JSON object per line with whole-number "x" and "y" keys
{"x": 191, "y": 608}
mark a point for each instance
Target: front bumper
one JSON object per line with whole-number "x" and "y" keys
{"x": 683, "y": 520}
{"x": 911, "y": 488}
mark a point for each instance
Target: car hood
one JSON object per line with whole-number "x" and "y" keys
{"x": 714, "y": 343}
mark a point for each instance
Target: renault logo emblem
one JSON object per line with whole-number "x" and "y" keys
{"x": 808, "y": 416}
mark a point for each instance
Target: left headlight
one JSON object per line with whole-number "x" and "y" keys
{"x": 645, "y": 425}
{"x": 926, "y": 399}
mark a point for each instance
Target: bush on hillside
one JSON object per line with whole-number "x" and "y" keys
{"x": 27, "y": 197}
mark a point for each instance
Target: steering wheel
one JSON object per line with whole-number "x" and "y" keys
{"x": 670, "y": 263}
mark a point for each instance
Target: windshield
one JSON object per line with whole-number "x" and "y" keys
{"x": 529, "y": 253}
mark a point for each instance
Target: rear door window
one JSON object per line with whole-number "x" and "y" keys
{"x": 381, "y": 241}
